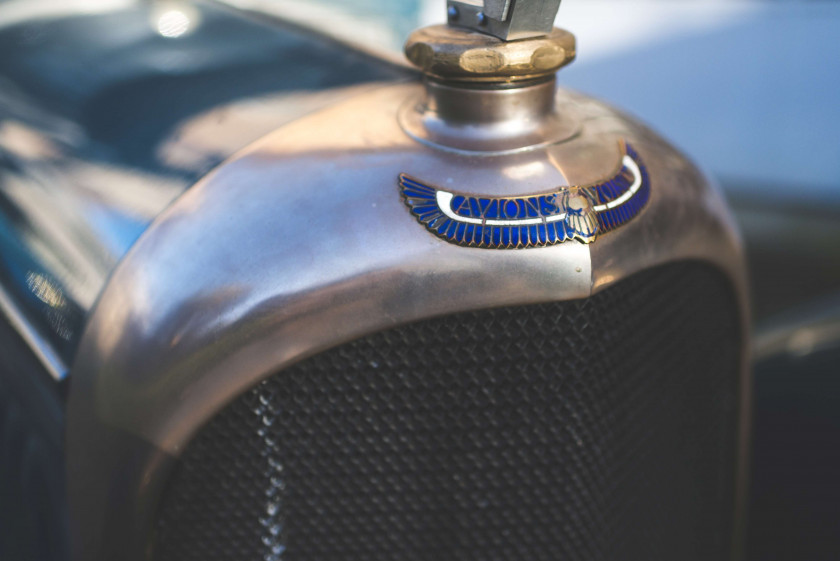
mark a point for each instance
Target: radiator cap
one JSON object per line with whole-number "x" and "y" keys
{"x": 453, "y": 54}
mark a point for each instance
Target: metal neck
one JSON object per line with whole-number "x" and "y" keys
{"x": 488, "y": 120}
{"x": 521, "y": 107}
{"x": 485, "y": 94}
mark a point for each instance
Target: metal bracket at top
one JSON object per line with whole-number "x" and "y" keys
{"x": 509, "y": 20}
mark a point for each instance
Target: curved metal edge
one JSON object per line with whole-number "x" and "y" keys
{"x": 689, "y": 218}
{"x": 168, "y": 109}
{"x": 300, "y": 243}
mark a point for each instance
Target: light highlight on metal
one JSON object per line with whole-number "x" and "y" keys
{"x": 39, "y": 346}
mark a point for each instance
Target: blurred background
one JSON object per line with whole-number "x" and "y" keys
{"x": 749, "y": 89}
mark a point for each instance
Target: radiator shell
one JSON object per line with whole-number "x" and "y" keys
{"x": 594, "y": 429}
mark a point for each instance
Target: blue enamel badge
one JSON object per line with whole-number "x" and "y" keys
{"x": 580, "y": 213}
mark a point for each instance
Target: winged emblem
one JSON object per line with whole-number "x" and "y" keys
{"x": 581, "y": 213}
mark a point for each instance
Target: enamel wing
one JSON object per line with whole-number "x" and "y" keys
{"x": 539, "y": 220}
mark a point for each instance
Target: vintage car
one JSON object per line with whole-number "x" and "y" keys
{"x": 270, "y": 294}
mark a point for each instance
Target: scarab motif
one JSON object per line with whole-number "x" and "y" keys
{"x": 581, "y": 219}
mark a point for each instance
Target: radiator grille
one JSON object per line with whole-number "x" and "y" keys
{"x": 599, "y": 429}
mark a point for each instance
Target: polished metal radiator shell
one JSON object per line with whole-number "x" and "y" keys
{"x": 594, "y": 429}
{"x": 302, "y": 243}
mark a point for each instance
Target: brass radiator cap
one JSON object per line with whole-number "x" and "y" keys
{"x": 450, "y": 53}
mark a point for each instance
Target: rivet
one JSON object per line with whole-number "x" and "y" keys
{"x": 482, "y": 18}
{"x": 453, "y": 12}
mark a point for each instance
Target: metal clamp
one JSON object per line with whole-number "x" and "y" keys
{"x": 509, "y": 20}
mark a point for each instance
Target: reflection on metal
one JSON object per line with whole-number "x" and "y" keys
{"x": 173, "y": 23}
{"x": 175, "y": 19}
{"x": 45, "y": 290}
{"x": 58, "y": 310}
{"x": 141, "y": 117}
{"x": 535, "y": 220}
{"x": 230, "y": 285}
{"x": 487, "y": 97}
{"x": 40, "y": 347}
{"x": 196, "y": 144}
{"x": 378, "y": 26}
{"x": 242, "y": 275}
{"x": 490, "y": 122}
{"x": 265, "y": 298}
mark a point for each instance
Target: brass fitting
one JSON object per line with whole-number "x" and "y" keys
{"x": 453, "y": 54}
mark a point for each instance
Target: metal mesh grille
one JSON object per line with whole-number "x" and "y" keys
{"x": 598, "y": 429}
